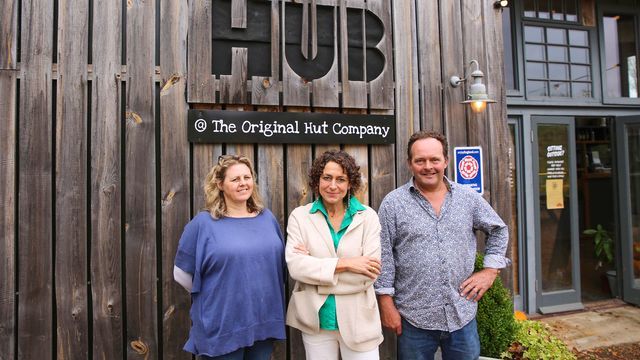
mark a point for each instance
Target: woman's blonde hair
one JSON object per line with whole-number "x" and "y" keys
{"x": 214, "y": 198}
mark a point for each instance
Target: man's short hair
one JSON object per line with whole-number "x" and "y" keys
{"x": 426, "y": 134}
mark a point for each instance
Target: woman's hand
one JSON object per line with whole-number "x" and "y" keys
{"x": 300, "y": 249}
{"x": 364, "y": 265}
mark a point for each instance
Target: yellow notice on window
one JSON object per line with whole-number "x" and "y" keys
{"x": 555, "y": 200}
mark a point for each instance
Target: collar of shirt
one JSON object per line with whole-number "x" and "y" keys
{"x": 352, "y": 208}
{"x": 424, "y": 202}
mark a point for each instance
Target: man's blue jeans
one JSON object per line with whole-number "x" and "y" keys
{"x": 419, "y": 344}
{"x": 260, "y": 350}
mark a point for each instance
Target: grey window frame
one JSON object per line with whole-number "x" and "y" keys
{"x": 520, "y": 300}
{"x": 578, "y": 13}
{"x": 517, "y": 51}
{"x": 593, "y": 46}
{"x": 626, "y": 10}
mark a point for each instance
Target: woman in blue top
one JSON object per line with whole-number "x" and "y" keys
{"x": 230, "y": 258}
{"x": 333, "y": 253}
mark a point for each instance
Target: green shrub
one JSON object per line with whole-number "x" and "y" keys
{"x": 534, "y": 341}
{"x": 496, "y": 325}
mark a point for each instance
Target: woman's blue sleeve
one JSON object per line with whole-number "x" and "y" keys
{"x": 186, "y": 253}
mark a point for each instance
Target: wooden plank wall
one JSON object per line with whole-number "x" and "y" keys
{"x": 140, "y": 183}
{"x": 97, "y": 179}
{"x": 8, "y": 169}
{"x": 105, "y": 191}
{"x": 36, "y": 330}
{"x": 71, "y": 182}
{"x": 174, "y": 170}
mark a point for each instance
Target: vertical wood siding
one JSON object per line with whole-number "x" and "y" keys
{"x": 8, "y": 34}
{"x": 35, "y": 184}
{"x": 174, "y": 172}
{"x": 97, "y": 179}
{"x": 8, "y": 245}
{"x": 106, "y": 270}
{"x": 71, "y": 182}
{"x": 140, "y": 183}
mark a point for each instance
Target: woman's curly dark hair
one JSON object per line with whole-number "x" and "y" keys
{"x": 342, "y": 158}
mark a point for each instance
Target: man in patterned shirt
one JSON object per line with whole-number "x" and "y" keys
{"x": 427, "y": 291}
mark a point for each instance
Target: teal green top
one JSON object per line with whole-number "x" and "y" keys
{"x": 327, "y": 313}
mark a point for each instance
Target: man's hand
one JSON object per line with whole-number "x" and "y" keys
{"x": 478, "y": 283}
{"x": 389, "y": 315}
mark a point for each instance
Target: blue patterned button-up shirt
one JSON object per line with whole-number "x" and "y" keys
{"x": 425, "y": 258}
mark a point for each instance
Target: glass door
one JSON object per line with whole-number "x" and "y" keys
{"x": 628, "y": 146}
{"x": 556, "y": 204}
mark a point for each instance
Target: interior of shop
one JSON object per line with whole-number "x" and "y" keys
{"x": 597, "y": 207}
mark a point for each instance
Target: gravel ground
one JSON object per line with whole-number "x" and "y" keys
{"x": 623, "y": 352}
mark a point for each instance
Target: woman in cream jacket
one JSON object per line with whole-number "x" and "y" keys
{"x": 333, "y": 252}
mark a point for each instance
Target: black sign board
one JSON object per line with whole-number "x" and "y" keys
{"x": 217, "y": 126}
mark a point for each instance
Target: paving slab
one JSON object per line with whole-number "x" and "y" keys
{"x": 597, "y": 326}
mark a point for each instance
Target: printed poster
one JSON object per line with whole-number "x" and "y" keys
{"x": 555, "y": 198}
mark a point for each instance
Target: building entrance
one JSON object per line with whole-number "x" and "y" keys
{"x": 597, "y": 221}
{"x": 557, "y": 282}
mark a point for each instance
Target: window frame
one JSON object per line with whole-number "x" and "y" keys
{"x": 517, "y": 51}
{"x": 578, "y": 13}
{"x": 593, "y": 48}
{"x": 625, "y": 10}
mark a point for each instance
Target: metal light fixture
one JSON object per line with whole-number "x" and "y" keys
{"x": 477, "y": 96}
{"x": 501, "y": 4}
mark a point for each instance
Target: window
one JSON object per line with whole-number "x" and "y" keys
{"x": 557, "y": 62}
{"x": 621, "y": 56}
{"x": 510, "y": 79}
{"x": 561, "y": 10}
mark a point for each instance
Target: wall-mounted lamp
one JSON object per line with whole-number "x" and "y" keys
{"x": 501, "y": 4}
{"x": 477, "y": 96}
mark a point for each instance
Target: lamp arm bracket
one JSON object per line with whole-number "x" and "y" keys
{"x": 455, "y": 81}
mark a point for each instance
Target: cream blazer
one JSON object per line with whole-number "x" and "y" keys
{"x": 356, "y": 305}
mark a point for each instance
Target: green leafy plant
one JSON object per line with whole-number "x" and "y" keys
{"x": 496, "y": 324}
{"x": 534, "y": 341}
{"x": 603, "y": 244}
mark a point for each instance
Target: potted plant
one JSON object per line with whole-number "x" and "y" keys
{"x": 604, "y": 250}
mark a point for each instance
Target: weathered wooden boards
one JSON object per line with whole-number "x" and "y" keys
{"x": 270, "y": 165}
{"x": 71, "y": 183}
{"x": 8, "y": 169}
{"x": 140, "y": 183}
{"x": 455, "y": 120}
{"x": 8, "y": 98}
{"x": 106, "y": 186}
{"x": 174, "y": 172}
{"x": 474, "y": 49}
{"x": 334, "y": 89}
{"x": 497, "y": 128}
{"x": 8, "y": 34}
{"x": 95, "y": 194}
{"x": 35, "y": 183}
{"x": 406, "y": 71}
